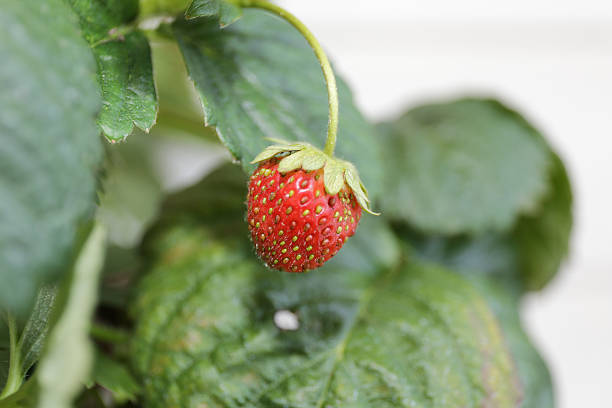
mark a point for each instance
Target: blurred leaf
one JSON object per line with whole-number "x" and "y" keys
{"x": 121, "y": 266}
{"x": 115, "y": 377}
{"x": 542, "y": 239}
{"x": 535, "y": 378}
{"x": 180, "y": 110}
{"x": 217, "y": 200}
{"x": 125, "y": 72}
{"x": 470, "y": 165}
{"x": 4, "y": 364}
{"x": 24, "y": 398}
{"x": 68, "y": 356}
{"x": 206, "y": 334}
{"x": 485, "y": 255}
{"x": 167, "y": 7}
{"x": 50, "y": 151}
{"x": 224, "y": 11}
{"x": 525, "y": 258}
{"x": 374, "y": 246}
{"x": 491, "y": 264}
{"x": 131, "y": 192}
{"x": 259, "y": 79}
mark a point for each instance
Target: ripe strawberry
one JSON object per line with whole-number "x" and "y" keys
{"x": 294, "y": 224}
{"x": 302, "y": 206}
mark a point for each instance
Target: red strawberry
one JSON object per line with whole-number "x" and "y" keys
{"x": 295, "y": 225}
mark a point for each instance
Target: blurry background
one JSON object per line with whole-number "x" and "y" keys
{"x": 551, "y": 59}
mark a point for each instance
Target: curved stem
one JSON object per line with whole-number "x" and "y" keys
{"x": 328, "y": 73}
{"x": 15, "y": 377}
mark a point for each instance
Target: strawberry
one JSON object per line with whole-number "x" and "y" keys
{"x": 302, "y": 207}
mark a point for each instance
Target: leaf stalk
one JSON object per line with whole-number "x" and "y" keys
{"x": 328, "y": 73}
{"x": 15, "y": 377}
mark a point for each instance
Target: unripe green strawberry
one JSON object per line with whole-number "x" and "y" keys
{"x": 302, "y": 206}
{"x": 295, "y": 225}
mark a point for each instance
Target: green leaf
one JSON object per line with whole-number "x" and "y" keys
{"x": 163, "y": 7}
{"x": 224, "y": 11}
{"x": 542, "y": 239}
{"x": 115, "y": 377}
{"x": 470, "y": 165}
{"x": 4, "y": 364}
{"x": 259, "y": 79}
{"x": 534, "y": 375}
{"x": 24, "y": 398}
{"x": 28, "y": 341}
{"x": 372, "y": 248}
{"x": 488, "y": 255}
{"x": 217, "y": 201}
{"x": 525, "y": 258}
{"x": 208, "y": 333}
{"x": 50, "y": 151}
{"x": 125, "y": 72}
{"x": 68, "y": 357}
{"x": 334, "y": 177}
{"x": 490, "y": 263}
{"x": 35, "y": 330}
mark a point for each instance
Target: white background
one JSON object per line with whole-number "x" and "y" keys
{"x": 552, "y": 60}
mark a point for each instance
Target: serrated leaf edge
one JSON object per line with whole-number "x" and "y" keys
{"x": 215, "y": 11}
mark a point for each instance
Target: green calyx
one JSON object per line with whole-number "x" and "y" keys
{"x": 336, "y": 173}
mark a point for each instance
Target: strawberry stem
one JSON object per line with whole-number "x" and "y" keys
{"x": 15, "y": 377}
{"x": 328, "y": 73}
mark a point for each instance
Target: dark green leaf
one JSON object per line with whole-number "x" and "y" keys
{"x": 116, "y": 378}
{"x": 208, "y": 333}
{"x": 217, "y": 200}
{"x": 50, "y": 151}
{"x": 258, "y": 79}
{"x": 4, "y": 365}
{"x": 125, "y": 72}
{"x": 68, "y": 354}
{"x": 4, "y": 353}
{"x": 542, "y": 239}
{"x": 224, "y": 11}
{"x": 121, "y": 266}
{"x": 489, "y": 254}
{"x": 470, "y": 165}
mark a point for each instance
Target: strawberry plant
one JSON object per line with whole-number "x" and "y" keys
{"x": 122, "y": 288}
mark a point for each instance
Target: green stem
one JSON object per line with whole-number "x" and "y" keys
{"x": 15, "y": 377}
{"x": 108, "y": 334}
{"x": 328, "y": 73}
